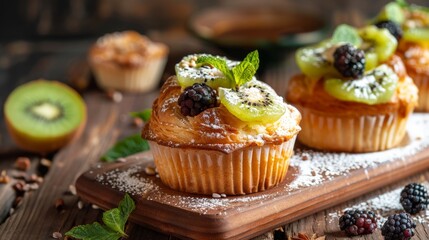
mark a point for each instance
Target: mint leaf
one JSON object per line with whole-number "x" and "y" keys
{"x": 114, "y": 221}
{"x": 143, "y": 115}
{"x": 128, "y": 146}
{"x": 94, "y": 231}
{"x": 348, "y": 34}
{"x": 126, "y": 206}
{"x": 218, "y": 63}
{"x": 253, "y": 58}
{"x": 243, "y": 72}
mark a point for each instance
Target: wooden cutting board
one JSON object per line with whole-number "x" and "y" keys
{"x": 315, "y": 181}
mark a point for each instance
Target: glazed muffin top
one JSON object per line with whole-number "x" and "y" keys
{"x": 224, "y": 116}
{"x": 126, "y": 49}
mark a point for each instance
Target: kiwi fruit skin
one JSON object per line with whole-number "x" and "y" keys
{"x": 44, "y": 144}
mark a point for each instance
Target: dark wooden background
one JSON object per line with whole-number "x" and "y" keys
{"x": 49, "y": 39}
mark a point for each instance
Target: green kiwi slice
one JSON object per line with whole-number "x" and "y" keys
{"x": 254, "y": 101}
{"x": 43, "y": 116}
{"x": 188, "y": 73}
{"x": 379, "y": 42}
{"x": 376, "y": 86}
{"x": 418, "y": 35}
{"x": 316, "y": 61}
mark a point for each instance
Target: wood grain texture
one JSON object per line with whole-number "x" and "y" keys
{"x": 256, "y": 214}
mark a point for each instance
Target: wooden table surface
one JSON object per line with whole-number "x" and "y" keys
{"x": 35, "y": 216}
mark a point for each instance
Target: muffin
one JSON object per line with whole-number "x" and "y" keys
{"x": 353, "y": 93}
{"x": 214, "y": 131}
{"x": 410, "y": 25}
{"x": 127, "y": 61}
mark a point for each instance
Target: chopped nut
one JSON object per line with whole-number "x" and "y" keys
{"x": 223, "y": 195}
{"x": 80, "y": 204}
{"x": 44, "y": 166}
{"x": 57, "y": 235}
{"x": 22, "y": 163}
{"x": 138, "y": 122}
{"x": 149, "y": 171}
{"x": 72, "y": 189}
{"x": 11, "y": 211}
{"x": 20, "y": 188}
{"x": 33, "y": 186}
{"x": 115, "y": 96}
{"x": 17, "y": 202}
{"x": 59, "y": 204}
{"x": 216, "y": 195}
{"x": 95, "y": 206}
{"x": 4, "y": 178}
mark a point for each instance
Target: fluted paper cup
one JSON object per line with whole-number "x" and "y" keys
{"x": 247, "y": 170}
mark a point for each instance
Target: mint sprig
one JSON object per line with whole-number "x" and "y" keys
{"x": 239, "y": 74}
{"x": 114, "y": 223}
{"x": 346, "y": 33}
{"x": 126, "y": 147}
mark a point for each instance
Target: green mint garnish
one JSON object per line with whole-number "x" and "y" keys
{"x": 126, "y": 147}
{"x": 348, "y": 34}
{"x": 114, "y": 220}
{"x": 143, "y": 115}
{"x": 239, "y": 74}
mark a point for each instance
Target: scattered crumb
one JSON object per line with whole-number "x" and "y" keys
{"x": 22, "y": 163}
{"x": 216, "y": 195}
{"x": 72, "y": 189}
{"x": 80, "y": 204}
{"x": 115, "y": 96}
{"x": 57, "y": 235}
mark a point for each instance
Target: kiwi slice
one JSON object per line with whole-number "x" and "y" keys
{"x": 188, "y": 73}
{"x": 42, "y": 116}
{"x": 254, "y": 101}
{"x": 392, "y": 12}
{"x": 379, "y": 42}
{"x": 316, "y": 61}
{"x": 417, "y": 35}
{"x": 376, "y": 86}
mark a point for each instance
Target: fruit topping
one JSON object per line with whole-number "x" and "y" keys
{"x": 197, "y": 98}
{"x": 379, "y": 42}
{"x": 398, "y": 227}
{"x": 43, "y": 116}
{"x": 376, "y": 86}
{"x": 254, "y": 101}
{"x": 189, "y": 72}
{"x": 314, "y": 61}
{"x": 349, "y": 61}
{"x": 414, "y": 198}
{"x": 392, "y": 26}
{"x": 358, "y": 222}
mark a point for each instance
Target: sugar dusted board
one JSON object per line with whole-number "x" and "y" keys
{"x": 315, "y": 181}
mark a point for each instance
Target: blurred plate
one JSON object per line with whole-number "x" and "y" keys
{"x": 268, "y": 29}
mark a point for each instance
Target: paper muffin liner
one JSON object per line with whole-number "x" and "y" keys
{"x": 422, "y": 83}
{"x": 363, "y": 133}
{"x": 130, "y": 79}
{"x": 247, "y": 170}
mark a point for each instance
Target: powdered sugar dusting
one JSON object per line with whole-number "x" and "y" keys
{"x": 383, "y": 206}
{"x": 129, "y": 181}
{"x": 319, "y": 167}
{"x": 313, "y": 168}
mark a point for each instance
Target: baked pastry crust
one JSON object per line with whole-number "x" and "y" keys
{"x": 213, "y": 129}
{"x": 416, "y": 60}
{"x": 127, "y": 49}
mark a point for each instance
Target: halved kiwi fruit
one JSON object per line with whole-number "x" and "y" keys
{"x": 376, "y": 86}
{"x": 43, "y": 116}
{"x": 188, "y": 73}
{"x": 254, "y": 101}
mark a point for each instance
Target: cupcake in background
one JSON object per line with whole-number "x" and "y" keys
{"x": 216, "y": 129}
{"x": 409, "y": 23}
{"x": 127, "y": 61}
{"x": 353, "y": 93}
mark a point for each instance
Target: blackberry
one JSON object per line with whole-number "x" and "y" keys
{"x": 393, "y": 28}
{"x": 398, "y": 227}
{"x": 349, "y": 61}
{"x": 197, "y": 98}
{"x": 414, "y": 198}
{"x": 358, "y": 222}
